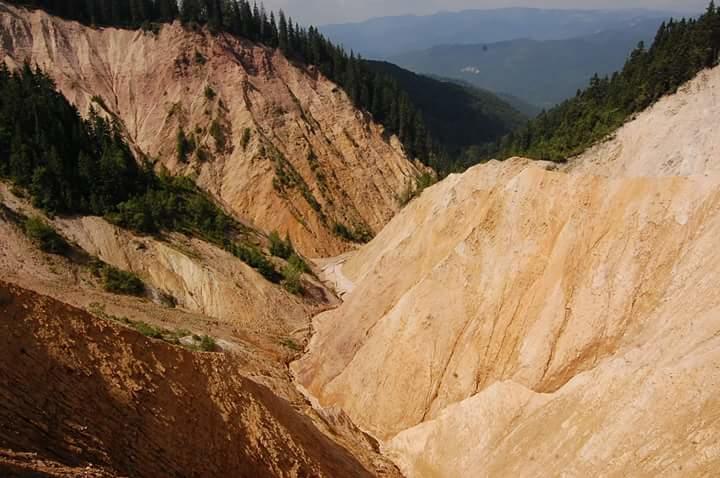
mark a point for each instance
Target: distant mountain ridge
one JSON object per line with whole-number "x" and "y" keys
{"x": 540, "y": 72}
{"x": 384, "y": 37}
{"x": 463, "y": 118}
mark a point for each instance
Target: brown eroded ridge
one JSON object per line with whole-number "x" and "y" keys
{"x": 80, "y": 390}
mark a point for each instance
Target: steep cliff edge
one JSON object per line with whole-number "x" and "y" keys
{"x": 281, "y": 146}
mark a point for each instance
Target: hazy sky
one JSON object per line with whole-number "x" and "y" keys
{"x": 319, "y": 12}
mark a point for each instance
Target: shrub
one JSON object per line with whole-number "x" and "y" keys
{"x": 122, "y": 282}
{"x": 298, "y": 262}
{"x": 279, "y": 248}
{"x": 210, "y": 93}
{"x": 292, "y": 279}
{"x": 185, "y": 145}
{"x": 360, "y": 235}
{"x": 422, "y": 182}
{"x": 45, "y": 236}
{"x": 252, "y": 256}
{"x": 245, "y": 140}
{"x": 291, "y": 344}
{"x": 148, "y": 330}
{"x": 217, "y": 131}
{"x": 207, "y": 344}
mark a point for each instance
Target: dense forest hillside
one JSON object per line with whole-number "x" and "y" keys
{"x": 465, "y": 119}
{"x": 680, "y": 50}
{"x": 541, "y": 72}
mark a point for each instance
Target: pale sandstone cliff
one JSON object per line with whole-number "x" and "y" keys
{"x": 522, "y": 321}
{"x": 293, "y": 152}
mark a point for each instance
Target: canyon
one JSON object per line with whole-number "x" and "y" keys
{"x": 523, "y": 318}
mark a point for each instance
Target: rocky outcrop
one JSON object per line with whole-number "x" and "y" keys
{"x": 81, "y": 391}
{"x": 278, "y": 144}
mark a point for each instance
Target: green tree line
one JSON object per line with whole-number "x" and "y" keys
{"x": 70, "y": 165}
{"x": 680, "y": 50}
{"x": 373, "y": 91}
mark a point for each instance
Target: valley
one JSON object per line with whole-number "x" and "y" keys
{"x": 217, "y": 260}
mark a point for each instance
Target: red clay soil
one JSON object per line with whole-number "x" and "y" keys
{"x": 77, "y": 391}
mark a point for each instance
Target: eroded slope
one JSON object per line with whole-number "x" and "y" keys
{"x": 516, "y": 321}
{"x": 281, "y": 146}
{"x": 678, "y": 136}
{"x": 81, "y": 390}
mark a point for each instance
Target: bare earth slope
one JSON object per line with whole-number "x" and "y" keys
{"x": 81, "y": 390}
{"x": 258, "y": 325}
{"x": 521, "y": 321}
{"x": 280, "y": 146}
{"x": 205, "y": 284}
{"x": 678, "y": 136}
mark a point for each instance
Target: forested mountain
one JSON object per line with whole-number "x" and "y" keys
{"x": 389, "y": 36}
{"x": 73, "y": 166}
{"x": 542, "y": 73}
{"x": 680, "y": 50}
{"x": 376, "y": 93}
{"x": 465, "y": 119}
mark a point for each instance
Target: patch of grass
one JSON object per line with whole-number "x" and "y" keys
{"x": 204, "y": 343}
{"x": 122, "y": 282}
{"x": 287, "y": 177}
{"x": 148, "y": 330}
{"x": 45, "y": 237}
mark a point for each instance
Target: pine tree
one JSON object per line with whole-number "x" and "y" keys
{"x": 191, "y": 11}
{"x": 167, "y": 10}
{"x": 283, "y": 41}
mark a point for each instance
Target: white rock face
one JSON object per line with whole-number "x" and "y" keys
{"x": 521, "y": 321}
